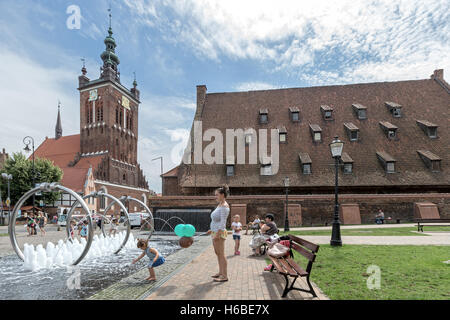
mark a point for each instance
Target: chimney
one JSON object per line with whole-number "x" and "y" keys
{"x": 201, "y": 98}
{"x": 438, "y": 74}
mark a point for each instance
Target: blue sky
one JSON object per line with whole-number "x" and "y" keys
{"x": 174, "y": 45}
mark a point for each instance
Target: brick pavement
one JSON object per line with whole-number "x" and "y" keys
{"x": 247, "y": 280}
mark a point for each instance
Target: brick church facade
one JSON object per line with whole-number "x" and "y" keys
{"x": 104, "y": 155}
{"x": 396, "y": 152}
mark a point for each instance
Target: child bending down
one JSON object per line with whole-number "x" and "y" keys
{"x": 156, "y": 259}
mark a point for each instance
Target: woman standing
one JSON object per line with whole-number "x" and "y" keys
{"x": 218, "y": 231}
{"x": 42, "y": 222}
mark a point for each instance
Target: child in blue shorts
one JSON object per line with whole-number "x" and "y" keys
{"x": 84, "y": 229}
{"x": 156, "y": 259}
{"x": 237, "y": 227}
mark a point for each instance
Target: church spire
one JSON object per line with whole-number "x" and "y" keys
{"x": 109, "y": 57}
{"x": 58, "y": 128}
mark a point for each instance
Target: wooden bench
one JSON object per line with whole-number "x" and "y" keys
{"x": 287, "y": 267}
{"x": 437, "y": 222}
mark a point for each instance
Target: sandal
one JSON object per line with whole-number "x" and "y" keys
{"x": 215, "y": 276}
{"x": 220, "y": 279}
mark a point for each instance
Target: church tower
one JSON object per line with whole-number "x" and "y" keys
{"x": 109, "y": 119}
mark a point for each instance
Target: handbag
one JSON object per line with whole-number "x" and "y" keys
{"x": 278, "y": 251}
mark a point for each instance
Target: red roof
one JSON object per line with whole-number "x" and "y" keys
{"x": 74, "y": 178}
{"x": 63, "y": 151}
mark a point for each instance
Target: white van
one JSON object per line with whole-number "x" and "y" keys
{"x": 137, "y": 218}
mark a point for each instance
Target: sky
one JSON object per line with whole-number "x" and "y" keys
{"x": 174, "y": 45}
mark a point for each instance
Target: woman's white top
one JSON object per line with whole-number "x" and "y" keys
{"x": 219, "y": 218}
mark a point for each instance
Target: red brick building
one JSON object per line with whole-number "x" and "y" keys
{"x": 396, "y": 142}
{"x": 104, "y": 155}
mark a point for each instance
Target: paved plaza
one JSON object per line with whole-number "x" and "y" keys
{"x": 187, "y": 272}
{"x": 247, "y": 279}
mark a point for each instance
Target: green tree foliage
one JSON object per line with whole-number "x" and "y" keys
{"x": 21, "y": 170}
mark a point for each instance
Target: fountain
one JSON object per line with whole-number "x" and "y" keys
{"x": 63, "y": 252}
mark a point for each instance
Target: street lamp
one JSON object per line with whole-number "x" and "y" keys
{"x": 286, "y": 213}
{"x": 8, "y": 178}
{"x": 336, "y": 147}
{"x": 27, "y": 141}
{"x": 160, "y": 158}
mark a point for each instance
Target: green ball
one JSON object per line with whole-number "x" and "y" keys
{"x": 189, "y": 230}
{"x": 179, "y": 229}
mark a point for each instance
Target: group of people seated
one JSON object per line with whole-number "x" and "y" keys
{"x": 268, "y": 232}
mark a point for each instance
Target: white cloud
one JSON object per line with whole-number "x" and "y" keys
{"x": 359, "y": 40}
{"x": 255, "y": 85}
{"x": 30, "y": 94}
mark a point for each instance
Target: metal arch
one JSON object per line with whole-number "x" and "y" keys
{"x": 48, "y": 187}
{"x": 114, "y": 200}
{"x": 152, "y": 223}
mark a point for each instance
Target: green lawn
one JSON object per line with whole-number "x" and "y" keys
{"x": 3, "y": 234}
{"x": 401, "y": 231}
{"x": 407, "y": 272}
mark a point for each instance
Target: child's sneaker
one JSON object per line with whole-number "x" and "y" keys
{"x": 238, "y": 253}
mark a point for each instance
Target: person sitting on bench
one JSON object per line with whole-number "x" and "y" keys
{"x": 254, "y": 225}
{"x": 379, "y": 218}
{"x": 268, "y": 231}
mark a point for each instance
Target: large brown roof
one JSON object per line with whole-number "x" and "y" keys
{"x": 420, "y": 100}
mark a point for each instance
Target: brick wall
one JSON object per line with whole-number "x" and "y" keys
{"x": 316, "y": 209}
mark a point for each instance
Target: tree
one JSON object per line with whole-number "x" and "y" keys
{"x": 21, "y": 170}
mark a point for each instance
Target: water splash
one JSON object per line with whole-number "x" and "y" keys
{"x": 65, "y": 252}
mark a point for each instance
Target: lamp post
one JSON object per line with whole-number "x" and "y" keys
{"x": 160, "y": 158}
{"x": 27, "y": 140}
{"x": 8, "y": 178}
{"x": 286, "y": 212}
{"x": 336, "y": 147}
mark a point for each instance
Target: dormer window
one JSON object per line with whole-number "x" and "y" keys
{"x": 316, "y": 132}
{"x": 432, "y": 161}
{"x": 230, "y": 166}
{"x": 352, "y": 131}
{"x": 327, "y": 112}
{"x": 429, "y": 128}
{"x": 295, "y": 114}
{"x": 266, "y": 167}
{"x": 389, "y": 129}
{"x": 282, "y": 132}
{"x": 263, "y": 116}
{"x": 394, "y": 108}
{"x": 305, "y": 162}
{"x": 387, "y": 161}
{"x": 347, "y": 162}
{"x": 360, "y": 111}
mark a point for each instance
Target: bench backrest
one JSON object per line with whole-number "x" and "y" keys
{"x": 305, "y": 248}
